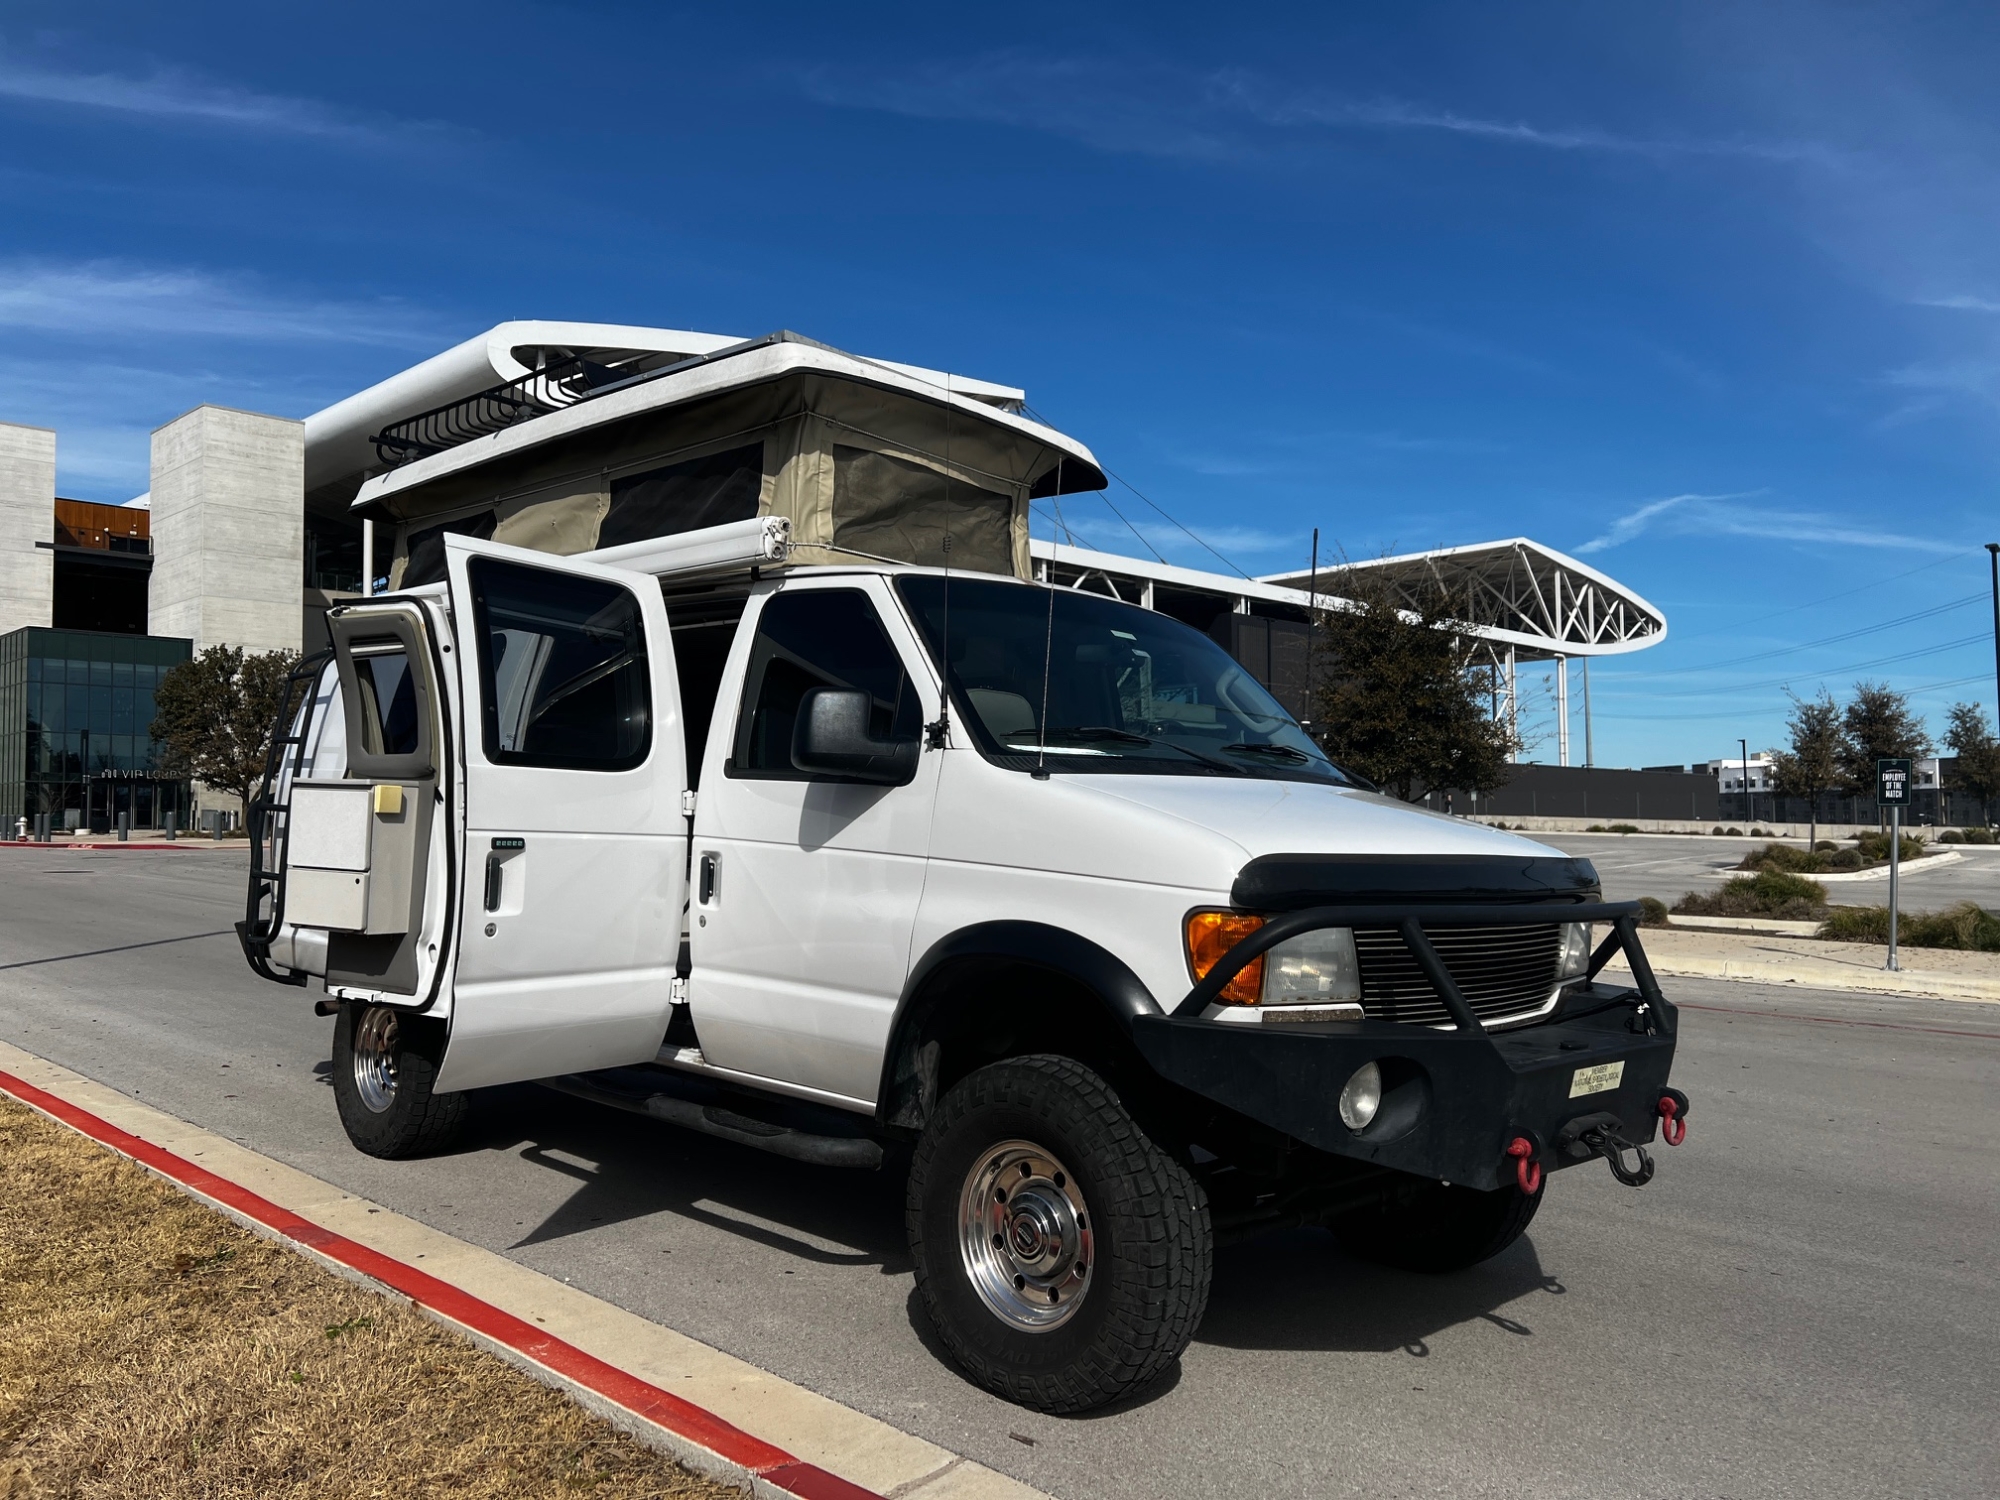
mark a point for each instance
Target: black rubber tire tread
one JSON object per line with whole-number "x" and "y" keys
{"x": 419, "y": 1121}
{"x": 1445, "y": 1228}
{"x": 1149, "y": 1216}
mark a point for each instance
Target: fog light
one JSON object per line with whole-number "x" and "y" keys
{"x": 1362, "y": 1097}
{"x": 1575, "y": 951}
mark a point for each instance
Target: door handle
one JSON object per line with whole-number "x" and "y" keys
{"x": 494, "y": 865}
{"x": 711, "y": 870}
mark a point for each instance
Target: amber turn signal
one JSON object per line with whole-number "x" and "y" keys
{"x": 1210, "y": 935}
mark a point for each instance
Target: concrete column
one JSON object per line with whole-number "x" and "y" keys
{"x": 229, "y": 529}
{"x": 27, "y": 516}
{"x": 1562, "y": 710}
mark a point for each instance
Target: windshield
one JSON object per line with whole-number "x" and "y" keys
{"x": 1127, "y": 690}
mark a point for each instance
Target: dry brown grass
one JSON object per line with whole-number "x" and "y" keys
{"x": 149, "y": 1347}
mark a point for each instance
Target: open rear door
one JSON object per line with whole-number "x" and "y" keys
{"x": 575, "y": 856}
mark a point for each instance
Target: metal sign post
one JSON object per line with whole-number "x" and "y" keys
{"x": 1892, "y": 790}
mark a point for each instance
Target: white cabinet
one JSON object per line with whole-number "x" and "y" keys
{"x": 350, "y": 855}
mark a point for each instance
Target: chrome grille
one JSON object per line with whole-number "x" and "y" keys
{"x": 1501, "y": 971}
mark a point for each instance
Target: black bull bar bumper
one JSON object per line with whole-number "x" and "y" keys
{"x": 1453, "y": 1101}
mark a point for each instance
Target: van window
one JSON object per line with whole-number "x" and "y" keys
{"x": 812, "y": 639}
{"x": 562, "y": 669}
{"x": 388, "y": 702}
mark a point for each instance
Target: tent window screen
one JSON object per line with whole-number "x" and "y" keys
{"x": 820, "y": 638}
{"x": 886, "y": 506}
{"x": 388, "y": 702}
{"x": 423, "y": 553}
{"x": 709, "y": 491}
{"x": 562, "y": 669}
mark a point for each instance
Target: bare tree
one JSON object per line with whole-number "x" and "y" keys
{"x": 1877, "y": 724}
{"x": 1977, "y": 772}
{"x": 1810, "y": 767}
{"x": 1398, "y": 700}
{"x": 213, "y": 715}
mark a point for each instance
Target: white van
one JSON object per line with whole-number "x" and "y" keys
{"x": 1035, "y": 891}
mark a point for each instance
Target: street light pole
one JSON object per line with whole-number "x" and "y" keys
{"x": 1749, "y": 807}
{"x": 1993, "y": 551}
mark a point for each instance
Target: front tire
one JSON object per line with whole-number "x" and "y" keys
{"x": 1063, "y": 1258}
{"x": 385, "y": 1064}
{"x": 1444, "y": 1228}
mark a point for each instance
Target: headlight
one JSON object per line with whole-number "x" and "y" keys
{"x": 1575, "y": 951}
{"x": 1362, "y": 1097}
{"x": 1314, "y": 966}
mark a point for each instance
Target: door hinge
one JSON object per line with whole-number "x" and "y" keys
{"x": 677, "y": 992}
{"x": 687, "y": 804}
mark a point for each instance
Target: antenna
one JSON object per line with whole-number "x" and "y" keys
{"x": 1312, "y": 623}
{"x": 936, "y": 735}
{"x": 1041, "y": 772}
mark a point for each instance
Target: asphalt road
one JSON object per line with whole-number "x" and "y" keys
{"x": 1804, "y": 1302}
{"x": 1669, "y": 865}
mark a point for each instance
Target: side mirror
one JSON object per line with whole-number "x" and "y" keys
{"x": 831, "y": 739}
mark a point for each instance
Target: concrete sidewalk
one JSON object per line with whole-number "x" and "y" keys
{"x": 1938, "y": 973}
{"x": 811, "y": 1447}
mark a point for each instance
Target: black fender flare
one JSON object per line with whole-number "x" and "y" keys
{"x": 904, "y": 1094}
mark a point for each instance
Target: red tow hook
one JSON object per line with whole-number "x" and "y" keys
{"x": 1673, "y": 1117}
{"x": 1527, "y": 1171}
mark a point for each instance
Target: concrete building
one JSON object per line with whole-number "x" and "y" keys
{"x": 27, "y": 525}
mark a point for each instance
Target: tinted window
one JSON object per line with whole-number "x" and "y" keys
{"x": 562, "y": 668}
{"x": 820, "y": 638}
{"x": 711, "y": 491}
{"x": 388, "y": 703}
{"x": 423, "y": 554}
{"x": 1127, "y": 690}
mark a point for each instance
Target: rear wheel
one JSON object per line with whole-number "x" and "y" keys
{"x": 1062, "y": 1257}
{"x": 1444, "y": 1228}
{"x": 385, "y": 1065}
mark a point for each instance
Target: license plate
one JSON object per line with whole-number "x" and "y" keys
{"x": 1597, "y": 1079}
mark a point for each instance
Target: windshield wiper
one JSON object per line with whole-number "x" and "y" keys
{"x": 1276, "y": 752}
{"x": 1088, "y": 733}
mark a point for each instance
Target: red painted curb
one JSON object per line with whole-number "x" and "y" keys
{"x": 106, "y": 844}
{"x": 683, "y": 1418}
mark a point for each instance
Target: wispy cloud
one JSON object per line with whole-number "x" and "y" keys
{"x": 1963, "y": 304}
{"x": 174, "y": 95}
{"x": 1744, "y": 514}
{"x": 98, "y": 299}
{"x": 1154, "y": 110}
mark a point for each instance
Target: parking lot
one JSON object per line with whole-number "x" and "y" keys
{"x": 1804, "y": 1302}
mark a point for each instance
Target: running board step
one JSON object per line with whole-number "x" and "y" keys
{"x": 727, "y": 1124}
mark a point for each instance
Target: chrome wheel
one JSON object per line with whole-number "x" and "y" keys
{"x": 375, "y": 1059}
{"x": 1025, "y": 1236}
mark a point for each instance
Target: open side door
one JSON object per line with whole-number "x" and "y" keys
{"x": 575, "y": 859}
{"x": 368, "y": 848}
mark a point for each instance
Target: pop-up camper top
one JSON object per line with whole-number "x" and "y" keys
{"x": 865, "y": 460}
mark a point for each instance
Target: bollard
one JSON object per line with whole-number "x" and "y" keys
{"x": 124, "y": 828}
{"x": 168, "y": 827}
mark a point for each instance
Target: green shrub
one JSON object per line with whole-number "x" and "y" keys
{"x": 1825, "y": 846}
{"x": 1845, "y": 859}
{"x": 1652, "y": 912}
{"x": 1874, "y": 846}
{"x": 1951, "y": 836}
{"x": 1623, "y": 828}
{"x": 1964, "y": 926}
{"x": 1715, "y": 832}
{"x": 1979, "y": 835}
{"x": 1597, "y": 828}
{"x": 1783, "y": 857}
{"x": 1735, "y": 833}
{"x": 1769, "y": 893}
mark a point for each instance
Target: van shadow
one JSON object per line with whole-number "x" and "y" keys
{"x": 627, "y": 1167}
{"x": 1290, "y": 1290}
{"x": 1296, "y": 1289}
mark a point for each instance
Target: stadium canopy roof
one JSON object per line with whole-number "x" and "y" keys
{"x": 1542, "y": 602}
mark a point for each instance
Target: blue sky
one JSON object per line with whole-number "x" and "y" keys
{"x": 1709, "y": 296}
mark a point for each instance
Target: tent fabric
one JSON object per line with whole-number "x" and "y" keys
{"x": 420, "y": 554}
{"x": 709, "y": 491}
{"x": 885, "y": 506}
{"x": 899, "y": 451}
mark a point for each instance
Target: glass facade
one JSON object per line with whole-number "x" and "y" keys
{"x": 75, "y": 706}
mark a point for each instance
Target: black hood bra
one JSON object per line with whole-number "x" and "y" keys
{"x": 1292, "y": 882}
